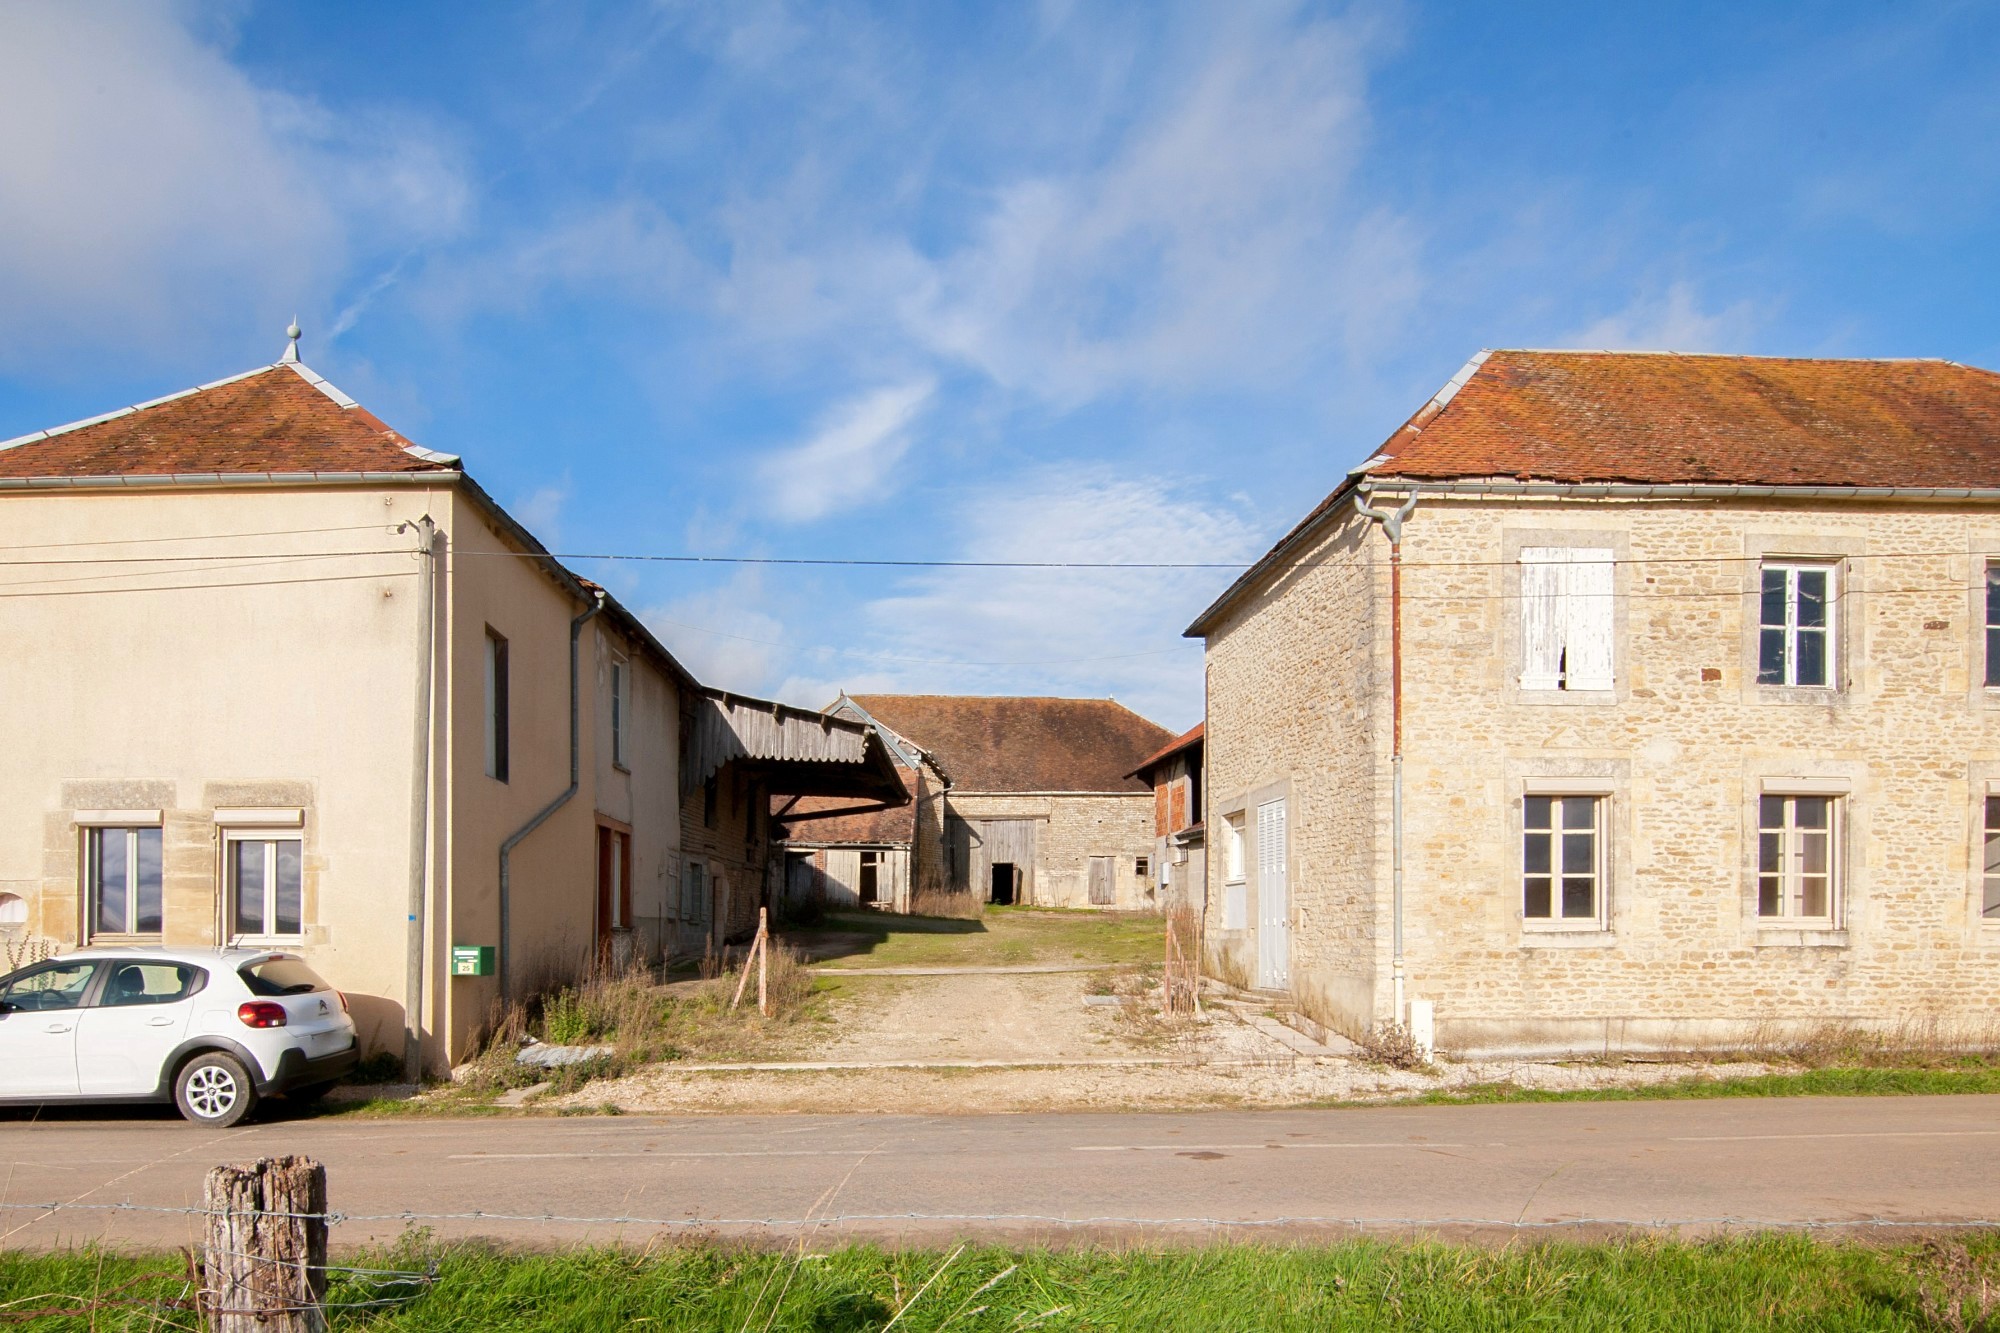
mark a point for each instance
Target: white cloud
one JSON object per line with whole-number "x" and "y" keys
{"x": 1066, "y": 631}
{"x": 1671, "y": 321}
{"x": 153, "y": 198}
{"x": 721, "y": 635}
{"x": 850, "y": 456}
{"x": 541, "y": 512}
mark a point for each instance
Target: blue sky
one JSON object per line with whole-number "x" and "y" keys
{"x": 924, "y": 281}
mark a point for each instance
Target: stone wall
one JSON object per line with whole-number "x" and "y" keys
{"x": 1071, "y": 829}
{"x": 1682, "y": 747}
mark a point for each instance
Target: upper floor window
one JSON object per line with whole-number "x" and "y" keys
{"x": 122, "y": 881}
{"x": 1795, "y": 635}
{"x": 1562, "y": 860}
{"x": 496, "y": 706}
{"x": 1567, "y": 622}
{"x": 1235, "y": 887}
{"x": 1798, "y": 861}
{"x": 1990, "y": 902}
{"x": 1993, "y": 622}
{"x": 621, "y": 675}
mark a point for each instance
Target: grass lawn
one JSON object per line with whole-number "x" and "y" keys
{"x": 1764, "y": 1282}
{"x": 1003, "y": 937}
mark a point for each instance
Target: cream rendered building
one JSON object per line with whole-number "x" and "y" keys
{"x": 1691, "y": 670}
{"x": 272, "y": 674}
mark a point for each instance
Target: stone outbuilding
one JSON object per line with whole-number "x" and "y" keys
{"x": 1622, "y": 701}
{"x": 1014, "y": 800}
{"x": 1180, "y": 869}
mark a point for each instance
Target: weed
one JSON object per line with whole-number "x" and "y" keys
{"x": 1391, "y": 1044}
{"x": 1955, "y": 1291}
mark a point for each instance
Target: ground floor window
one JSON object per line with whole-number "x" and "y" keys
{"x": 1990, "y": 908}
{"x": 122, "y": 881}
{"x": 614, "y": 879}
{"x": 694, "y": 894}
{"x": 1798, "y": 870}
{"x": 1562, "y": 859}
{"x": 266, "y": 886}
{"x": 869, "y": 887}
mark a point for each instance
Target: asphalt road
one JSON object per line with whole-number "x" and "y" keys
{"x": 1481, "y": 1169}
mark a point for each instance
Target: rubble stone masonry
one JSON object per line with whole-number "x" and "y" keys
{"x": 1681, "y": 749}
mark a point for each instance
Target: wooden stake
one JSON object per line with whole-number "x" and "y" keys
{"x": 264, "y": 1269}
{"x": 763, "y": 962}
{"x": 756, "y": 955}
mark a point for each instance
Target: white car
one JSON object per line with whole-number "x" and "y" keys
{"x": 211, "y": 1030}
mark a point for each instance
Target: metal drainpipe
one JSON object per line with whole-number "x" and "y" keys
{"x": 507, "y": 847}
{"x": 420, "y": 803}
{"x": 1392, "y": 528}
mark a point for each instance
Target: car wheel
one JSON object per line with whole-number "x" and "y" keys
{"x": 215, "y": 1089}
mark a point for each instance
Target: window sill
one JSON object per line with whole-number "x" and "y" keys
{"x": 1555, "y": 937}
{"x": 1797, "y": 694}
{"x": 266, "y": 942}
{"x": 622, "y": 768}
{"x": 1799, "y": 937}
{"x": 1571, "y": 698}
{"x": 114, "y": 940}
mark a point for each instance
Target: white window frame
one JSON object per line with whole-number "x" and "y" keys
{"x": 1793, "y": 843}
{"x": 1991, "y": 571}
{"x": 621, "y": 709}
{"x": 1599, "y": 917}
{"x": 1235, "y": 871}
{"x": 1791, "y": 629}
{"x": 232, "y": 842}
{"x": 1569, "y": 622}
{"x": 1989, "y": 841}
{"x": 95, "y": 829}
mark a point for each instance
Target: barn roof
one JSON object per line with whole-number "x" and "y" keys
{"x": 869, "y": 828}
{"x": 1021, "y": 743}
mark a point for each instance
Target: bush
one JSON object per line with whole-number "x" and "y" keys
{"x": 564, "y": 1019}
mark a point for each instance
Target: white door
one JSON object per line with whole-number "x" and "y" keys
{"x": 38, "y": 1013}
{"x": 124, "y": 1039}
{"x": 1274, "y": 900}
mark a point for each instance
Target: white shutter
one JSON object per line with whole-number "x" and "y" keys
{"x": 1270, "y": 846}
{"x": 1587, "y": 620}
{"x": 1542, "y": 569}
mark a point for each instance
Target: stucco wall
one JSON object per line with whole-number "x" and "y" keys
{"x": 1684, "y": 744}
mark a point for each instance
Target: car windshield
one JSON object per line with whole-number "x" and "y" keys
{"x": 281, "y": 976}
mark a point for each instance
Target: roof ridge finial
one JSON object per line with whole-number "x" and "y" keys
{"x": 291, "y": 355}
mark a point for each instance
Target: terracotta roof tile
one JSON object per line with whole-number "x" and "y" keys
{"x": 1666, "y": 418}
{"x": 1023, "y": 744}
{"x": 1187, "y": 740}
{"x": 283, "y": 419}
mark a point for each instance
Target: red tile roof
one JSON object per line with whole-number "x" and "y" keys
{"x": 1013, "y": 743}
{"x": 281, "y": 419}
{"x": 1187, "y": 740}
{"x": 1666, "y": 418}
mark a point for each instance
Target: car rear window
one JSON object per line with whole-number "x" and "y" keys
{"x": 281, "y": 976}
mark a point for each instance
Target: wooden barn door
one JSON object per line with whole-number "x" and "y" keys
{"x": 1011, "y": 842}
{"x": 1103, "y": 884}
{"x": 1274, "y": 900}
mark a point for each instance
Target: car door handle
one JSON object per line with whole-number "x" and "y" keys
{"x": 160, "y": 1022}
{"x": 59, "y": 1027}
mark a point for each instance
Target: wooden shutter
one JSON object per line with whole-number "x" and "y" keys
{"x": 1587, "y": 620}
{"x": 1541, "y": 617}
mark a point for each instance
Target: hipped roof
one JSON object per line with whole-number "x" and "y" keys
{"x": 1019, "y": 744}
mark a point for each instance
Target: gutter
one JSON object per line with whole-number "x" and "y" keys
{"x": 1392, "y": 528}
{"x": 174, "y": 480}
{"x": 507, "y": 847}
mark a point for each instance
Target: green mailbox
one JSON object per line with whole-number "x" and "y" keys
{"x": 472, "y": 960}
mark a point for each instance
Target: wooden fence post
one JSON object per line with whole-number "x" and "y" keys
{"x": 763, "y": 963}
{"x": 264, "y": 1270}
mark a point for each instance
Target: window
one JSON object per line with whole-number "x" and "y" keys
{"x": 694, "y": 894}
{"x": 272, "y": 978}
{"x": 1566, "y": 618}
{"x": 138, "y": 982}
{"x": 870, "y": 885}
{"x": 614, "y": 879}
{"x": 122, "y": 880}
{"x": 1235, "y": 891}
{"x": 1142, "y": 866}
{"x": 1798, "y": 872}
{"x": 1993, "y": 623}
{"x": 1990, "y": 907}
{"x": 51, "y": 986}
{"x": 1562, "y": 860}
{"x": 496, "y": 706}
{"x": 266, "y": 886}
{"x": 708, "y": 794}
{"x": 620, "y": 707}
{"x": 1795, "y": 640}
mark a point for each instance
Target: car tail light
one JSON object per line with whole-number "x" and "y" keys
{"x": 342, "y": 997}
{"x": 261, "y": 1014}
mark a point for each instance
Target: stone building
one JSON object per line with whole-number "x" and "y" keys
{"x": 1014, "y": 800}
{"x": 1180, "y": 857}
{"x": 1671, "y": 720}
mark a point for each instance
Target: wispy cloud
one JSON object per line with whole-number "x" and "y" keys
{"x": 849, "y": 458}
{"x": 1671, "y": 321}
{"x": 541, "y": 512}
{"x": 151, "y": 192}
{"x": 722, "y": 634}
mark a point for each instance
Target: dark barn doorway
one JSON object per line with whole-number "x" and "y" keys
{"x": 1006, "y": 883}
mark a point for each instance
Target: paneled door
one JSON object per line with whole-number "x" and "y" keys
{"x": 1274, "y": 900}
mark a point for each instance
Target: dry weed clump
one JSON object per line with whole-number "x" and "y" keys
{"x": 1916, "y": 1043}
{"x": 930, "y": 901}
{"x": 643, "y": 1022}
{"x": 1392, "y": 1044}
{"x": 1955, "y": 1291}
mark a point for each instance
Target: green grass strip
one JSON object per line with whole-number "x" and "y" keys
{"x": 1883, "y": 1082}
{"x": 1644, "y": 1283}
